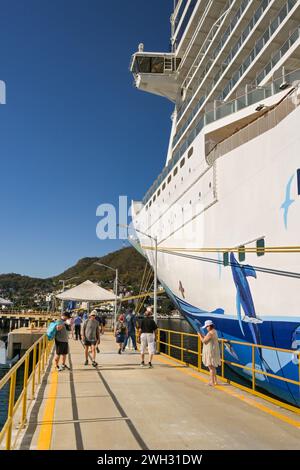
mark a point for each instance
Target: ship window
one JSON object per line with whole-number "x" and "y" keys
{"x": 150, "y": 203}
{"x": 190, "y": 152}
{"x": 157, "y": 65}
{"x": 158, "y": 193}
{"x": 242, "y": 253}
{"x": 182, "y": 162}
{"x": 175, "y": 171}
{"x": 154, "y": 198}
{"x": 298, "y": 178}
{"x": 226, "y": 259}
{"x": 163, "y": 187}
{"x": 169, "y": 179}
{"x": 260, "y": 247}
{"x": 144, "y": 64}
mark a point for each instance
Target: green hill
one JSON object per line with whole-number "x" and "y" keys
{"x": 29, "y": 292}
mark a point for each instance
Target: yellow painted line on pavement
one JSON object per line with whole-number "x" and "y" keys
{"x": 229, "y": 390}
{"x": 45, "y": 435}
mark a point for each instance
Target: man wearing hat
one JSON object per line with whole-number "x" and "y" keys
{"x": 90, "y": 336}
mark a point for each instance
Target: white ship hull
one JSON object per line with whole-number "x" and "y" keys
{"x": 248, "y": 193}
{"x": 225, "y": 210}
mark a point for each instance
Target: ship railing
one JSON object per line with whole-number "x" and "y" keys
{"x": 29, "y": 371}
{"x": 270, "y": 118}
{"x": 186, "y": 348}
{"x": 259, "y": 45}
{"x": 219, "y": 112}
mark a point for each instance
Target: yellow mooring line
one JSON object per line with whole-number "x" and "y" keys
{"x": 45, "y": 435}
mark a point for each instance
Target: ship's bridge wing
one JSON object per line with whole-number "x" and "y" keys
{"x": 155, "y": 72}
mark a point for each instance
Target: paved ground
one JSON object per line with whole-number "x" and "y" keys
{"x": 121, "y": 406}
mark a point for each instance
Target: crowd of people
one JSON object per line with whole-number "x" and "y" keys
{"x": 88, "y": 328}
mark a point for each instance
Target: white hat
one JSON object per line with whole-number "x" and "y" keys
{"x": 208, "y": 323}
{"x": 93, "y": 312}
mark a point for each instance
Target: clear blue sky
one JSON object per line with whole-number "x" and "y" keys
{"x": 74, "y": 132}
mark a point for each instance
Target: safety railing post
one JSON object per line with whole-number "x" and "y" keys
{"x": 222, "y": 359}
{"x": 39, "y": 362}
{"x": 199, "y": 353}
{"x": 181, "y": 346}
{"x": 33, "y": 372}
{"x": 43, "y": 354}
{"x": 158, "y": 342}
{"x": 299, "y": 369}
{"x": 253, "y": 367}
{"x": 10, "y": 413}
{"x": 25, "y": 383}
{"x": 169, "y": 343}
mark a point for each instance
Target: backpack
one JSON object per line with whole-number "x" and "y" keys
{"x": 51, "y": 330}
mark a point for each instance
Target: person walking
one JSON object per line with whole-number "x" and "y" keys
{"x": 61, "y": 343}
{"x": 211, "y": 357}
{"x": 77, "y": 326}
{"x": 120, "y": 332}
{"x": 130, "y": 322}
{"x": 90, "y": 335}
{"x": 147, "y": 333}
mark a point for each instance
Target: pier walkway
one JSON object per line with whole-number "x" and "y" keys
{"x": 120, "y": 405}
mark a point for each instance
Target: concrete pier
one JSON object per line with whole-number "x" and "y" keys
{"x": 120, "y": 405}
{"x": 21, "y": 339}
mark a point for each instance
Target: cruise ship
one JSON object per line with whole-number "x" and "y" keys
{"x": 224, "y": 213}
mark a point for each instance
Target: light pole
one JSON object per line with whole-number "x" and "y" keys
{"x": 116, "y": 287}
{"x": 155, "y": 269}
{"x": 63, "y": 283}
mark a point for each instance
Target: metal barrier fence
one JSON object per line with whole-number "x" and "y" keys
{"x": 186, "y": 348}
{"x": 32, "y": 366}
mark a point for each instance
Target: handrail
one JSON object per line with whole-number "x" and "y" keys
{"x": 220, "y": 112}
{"x": 34, "y": 360}
{"x": 250, "y": 367}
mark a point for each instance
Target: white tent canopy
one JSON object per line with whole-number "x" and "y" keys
{"x": 87, "y": 292}
{"x": 5, "y": 302}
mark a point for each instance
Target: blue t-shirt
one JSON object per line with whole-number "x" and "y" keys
{"x": 130, "y": 322}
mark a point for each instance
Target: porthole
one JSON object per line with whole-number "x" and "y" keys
{"x": 163, "y": 187}
{"x": 242, "y": 253}
{"x": 190, "y": 152}
{"x": 210, "y": 185}
{"x": 175, "y": 171}
{"x": 182, "y": 162}
{"x": 260, "y": 247}
{"x": 169, "y": 179}
{"x": 200, "y": 194}
{"x": 158, "y": 193}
